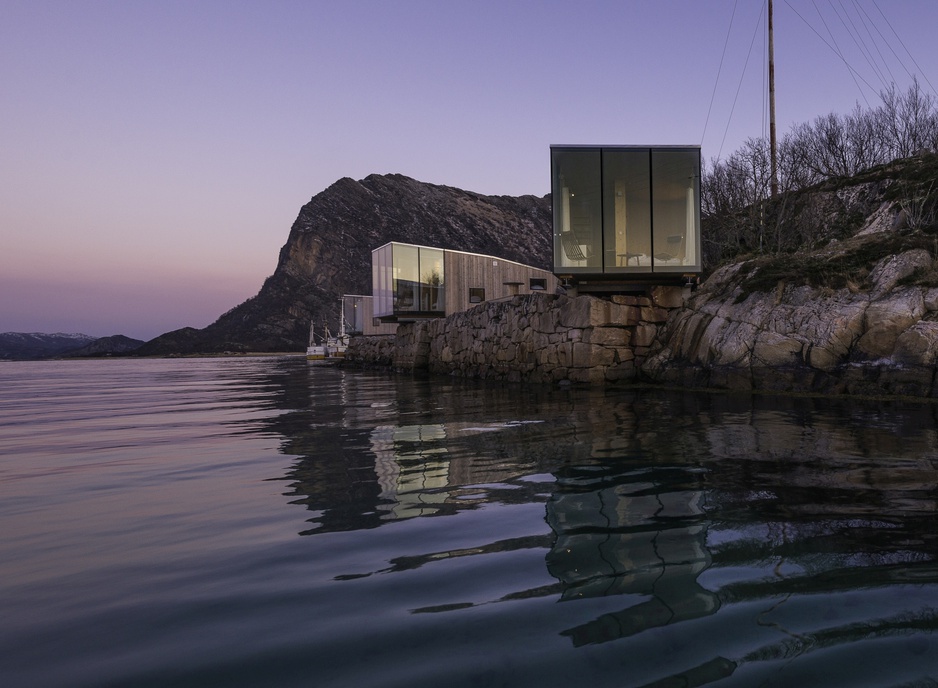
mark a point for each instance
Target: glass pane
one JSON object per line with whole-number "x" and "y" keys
{"x": 627, "y": 210}
{"x": 406, "y": 278}
{"x": 431, "y": 280}
{"x": 353, "y": 312}
{"x": 577, "y": 196}
{"x": 381, "y": 281}
{"x": 676, "y": 209}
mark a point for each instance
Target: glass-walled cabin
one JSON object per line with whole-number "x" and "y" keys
{"x": 408, "y": 280}
{"x": 624, "y": 212}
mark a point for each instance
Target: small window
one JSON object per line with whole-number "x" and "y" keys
{"x": 376, "y": 322}
{"x": 476, "y": 294}
{"x": 538, "y": 284}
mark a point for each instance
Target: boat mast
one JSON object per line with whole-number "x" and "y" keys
{"x": 773, "y": 143}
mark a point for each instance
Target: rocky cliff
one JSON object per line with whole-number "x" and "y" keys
{"x": 328, "y": 253}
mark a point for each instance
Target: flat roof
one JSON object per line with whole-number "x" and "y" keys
{"x": 626, "y": 146}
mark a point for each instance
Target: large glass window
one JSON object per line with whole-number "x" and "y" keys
{"x": 406, "y": 264}
{"x": 675, "y": 194}
{"x": 622, "y": 209}
{"x": 407, "y": 279}
{"x": 382, "y": 280}
{"x": 353, "y": 311}
{"x": 431, "y": 280}
{"x": 577, "y": 199}
{"x": 627, "y": 210}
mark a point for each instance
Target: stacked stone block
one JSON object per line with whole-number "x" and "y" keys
{"x": 537, "y": 338}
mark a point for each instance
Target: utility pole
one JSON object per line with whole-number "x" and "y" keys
{"x": 773, "y": 143}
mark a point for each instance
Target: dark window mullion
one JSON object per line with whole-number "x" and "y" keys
{"x": 602, "y": 213}
{"x": 651, "y": 207}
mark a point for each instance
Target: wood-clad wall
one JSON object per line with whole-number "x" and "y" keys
{"x": 500, "y": 278}
{"x": 368, "y": 320}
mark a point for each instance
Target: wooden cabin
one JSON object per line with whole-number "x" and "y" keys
{"x": 411, "y": 282}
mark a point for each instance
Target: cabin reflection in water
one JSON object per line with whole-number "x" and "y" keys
{"x": 630, "y": 539}
{"x": 412, "y": 468}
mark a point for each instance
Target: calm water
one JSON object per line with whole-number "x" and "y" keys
{"x": 260, "y": 522}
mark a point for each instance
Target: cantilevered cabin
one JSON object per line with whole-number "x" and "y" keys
{"x": 411, "y": 282}
{"x": 625, "y": 215}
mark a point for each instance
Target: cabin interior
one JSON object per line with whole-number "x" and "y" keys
{"x": 625, "y": 215}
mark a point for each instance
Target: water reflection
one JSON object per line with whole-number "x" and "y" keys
{"x": 759, "y": 530}
{"x": 629, "y": 535}
{"x": 375, "y": 448}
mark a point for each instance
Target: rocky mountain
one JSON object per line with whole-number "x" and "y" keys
{"x": 328, "y": 253}
{"x": 26, "y": 346}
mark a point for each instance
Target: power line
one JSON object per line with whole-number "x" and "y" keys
{"x": 832, "y": 49}
{"x": 858, "y": 41}
{"x": 866, "y": 23}
{"x": 904, "y": 48}
{"x": 853, "y": 72}
{"x": 739, "y": 86}
{"x": 719, "y": 72}
{"x": 888, "y": 44}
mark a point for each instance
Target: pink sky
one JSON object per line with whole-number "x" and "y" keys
{"x": 155, "y": 154}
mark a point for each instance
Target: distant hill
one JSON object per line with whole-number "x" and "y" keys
{"x": 106, "y": 346}
{"x": 23, "y": 346}
{"x": 328, "y": 253}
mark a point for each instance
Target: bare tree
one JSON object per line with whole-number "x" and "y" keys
{"x": 735, "y": 192}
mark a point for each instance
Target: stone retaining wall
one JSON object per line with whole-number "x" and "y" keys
{"x": 534, "y": 337}
{"x": 374, "y": 350}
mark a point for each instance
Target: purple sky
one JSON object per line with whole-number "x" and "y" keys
{"x": 155, "y": 154}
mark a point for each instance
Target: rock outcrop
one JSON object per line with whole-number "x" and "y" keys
{"x": 876, "y": 337}
{"x": 328, "y": 253}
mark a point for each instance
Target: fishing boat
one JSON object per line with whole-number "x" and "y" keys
{"x": 337, "y": 345}
{"x": 328, "y": 348}
{"x": 316, "y": 352}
